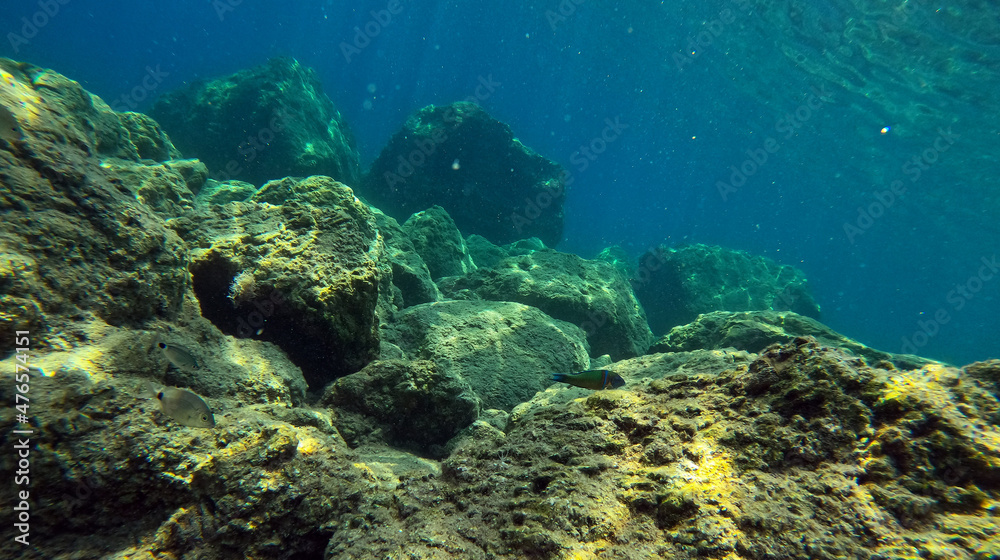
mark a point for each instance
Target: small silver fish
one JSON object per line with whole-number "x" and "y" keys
{"x": 179, "y": 356}
{"x": 10, "y": 130}
{"x": 185, "y": 407}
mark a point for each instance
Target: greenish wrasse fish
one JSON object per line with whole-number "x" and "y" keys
{"x": 594, "y": 379}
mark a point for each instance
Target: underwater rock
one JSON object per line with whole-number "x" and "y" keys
{"x": 74, "y": 241}
{"x": 675, "y": 285}
{"x": 458, "y": 157}
{"x": 483, "y": 252}
{"x": 223, "y": 192}
{"x": 159, "y": 186}
{"x": 439, "y": 243}
{"x": 696, "y": 466}
{"x": 589, "y": 294}
{"x": 753, "y": 331}
{"x": 412, "y": 405}
{"x": 259, "y": 124}
{"x": 111, "y": 477}
{"x": 506, "y": 351}
{"x": 410, "y": 274}
{"x": 307, "y": 278}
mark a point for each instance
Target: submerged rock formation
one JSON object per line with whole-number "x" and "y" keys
{"x": 74, "y": 241}
{"x": 264, "y": 123}
{"x": 300, "y": 265}
{"x": 675, "y": 285}
{"x": 506, "y": 351}
{"x": 753, "y": 331}
{"x": 460, "y": 158}
{"x": 589, "y": 294}
{"x": 111, "y": 245}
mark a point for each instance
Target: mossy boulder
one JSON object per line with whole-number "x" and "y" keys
{"x": 675, "y": 285}
{"x": 460, "y": 158}
{"x": 589, "y": 294}
{"x": 410, "y": 274}
{"x": 414, "y": 405}
{"x": 259, "y": 124}
{"x": 439, "y": 243}
{"x": 506, "y": 351}
{"x": 313, "y": 279}
{"x": 74, "y": 241}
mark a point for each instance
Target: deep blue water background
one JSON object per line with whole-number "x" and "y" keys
{"x": 906, "y": 66}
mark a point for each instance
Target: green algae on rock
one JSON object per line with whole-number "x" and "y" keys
{"x": 411, "y": 405}
{"x": 459, "y": 157}
{"x": 75, "y": 242}
{"x": 439, "y": 243}
{"x": 753, "y": 331}
{"x": 294, "y": 128}
{"x": 675, "y": 285}
{"x": 504, "y": 350}
{"x": 320, "y": 272}
{"x": 589, "y": 294}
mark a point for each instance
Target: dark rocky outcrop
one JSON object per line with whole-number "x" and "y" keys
{"x": 74, "y": 241}
{"x": 302, "y": 263}
{"x": 675, "y": 285}
{"x": 264, "y": 123}
{"x": 458, "y": 157}
{"x": 413, "y": 405}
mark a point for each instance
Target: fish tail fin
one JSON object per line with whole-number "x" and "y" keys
{"x": 149, "y": 390}
{"x": 559, "y": 377}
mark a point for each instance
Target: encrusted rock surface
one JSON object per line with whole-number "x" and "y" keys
{"x": 459, "y": 157}
{"x": 439, "y": 243}
{"x": 589, "y": 294}
{"x": 506, "y": 351}
{"x": 675, "y": 285}
{"x": 74, "y": 241}
{"x": 264, "y": 123}
{"x": 753, "y": 331}
{"x": 316, "y": 272}
{"x": 412, "y": 405}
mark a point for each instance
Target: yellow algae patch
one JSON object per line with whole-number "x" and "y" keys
{"x": 308, "y": 445}
{"x": 18, "y": 97}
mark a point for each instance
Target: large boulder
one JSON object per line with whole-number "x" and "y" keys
{"x": 264, "y": 123}
{"x": 300, "y": 265}
{"x": 589, "y": 294}
{"x": 675, "y": 285}
{"x": 74, "y": 240}
{"x": 414, "y": 405}
{"x": 410, "y": 274}
{"x": 439, "y": 243}
{"x": 506, "y": 351}
{"x": 459, "y": 157}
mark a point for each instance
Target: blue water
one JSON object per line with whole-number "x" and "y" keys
{"x": 690, "y": 113}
